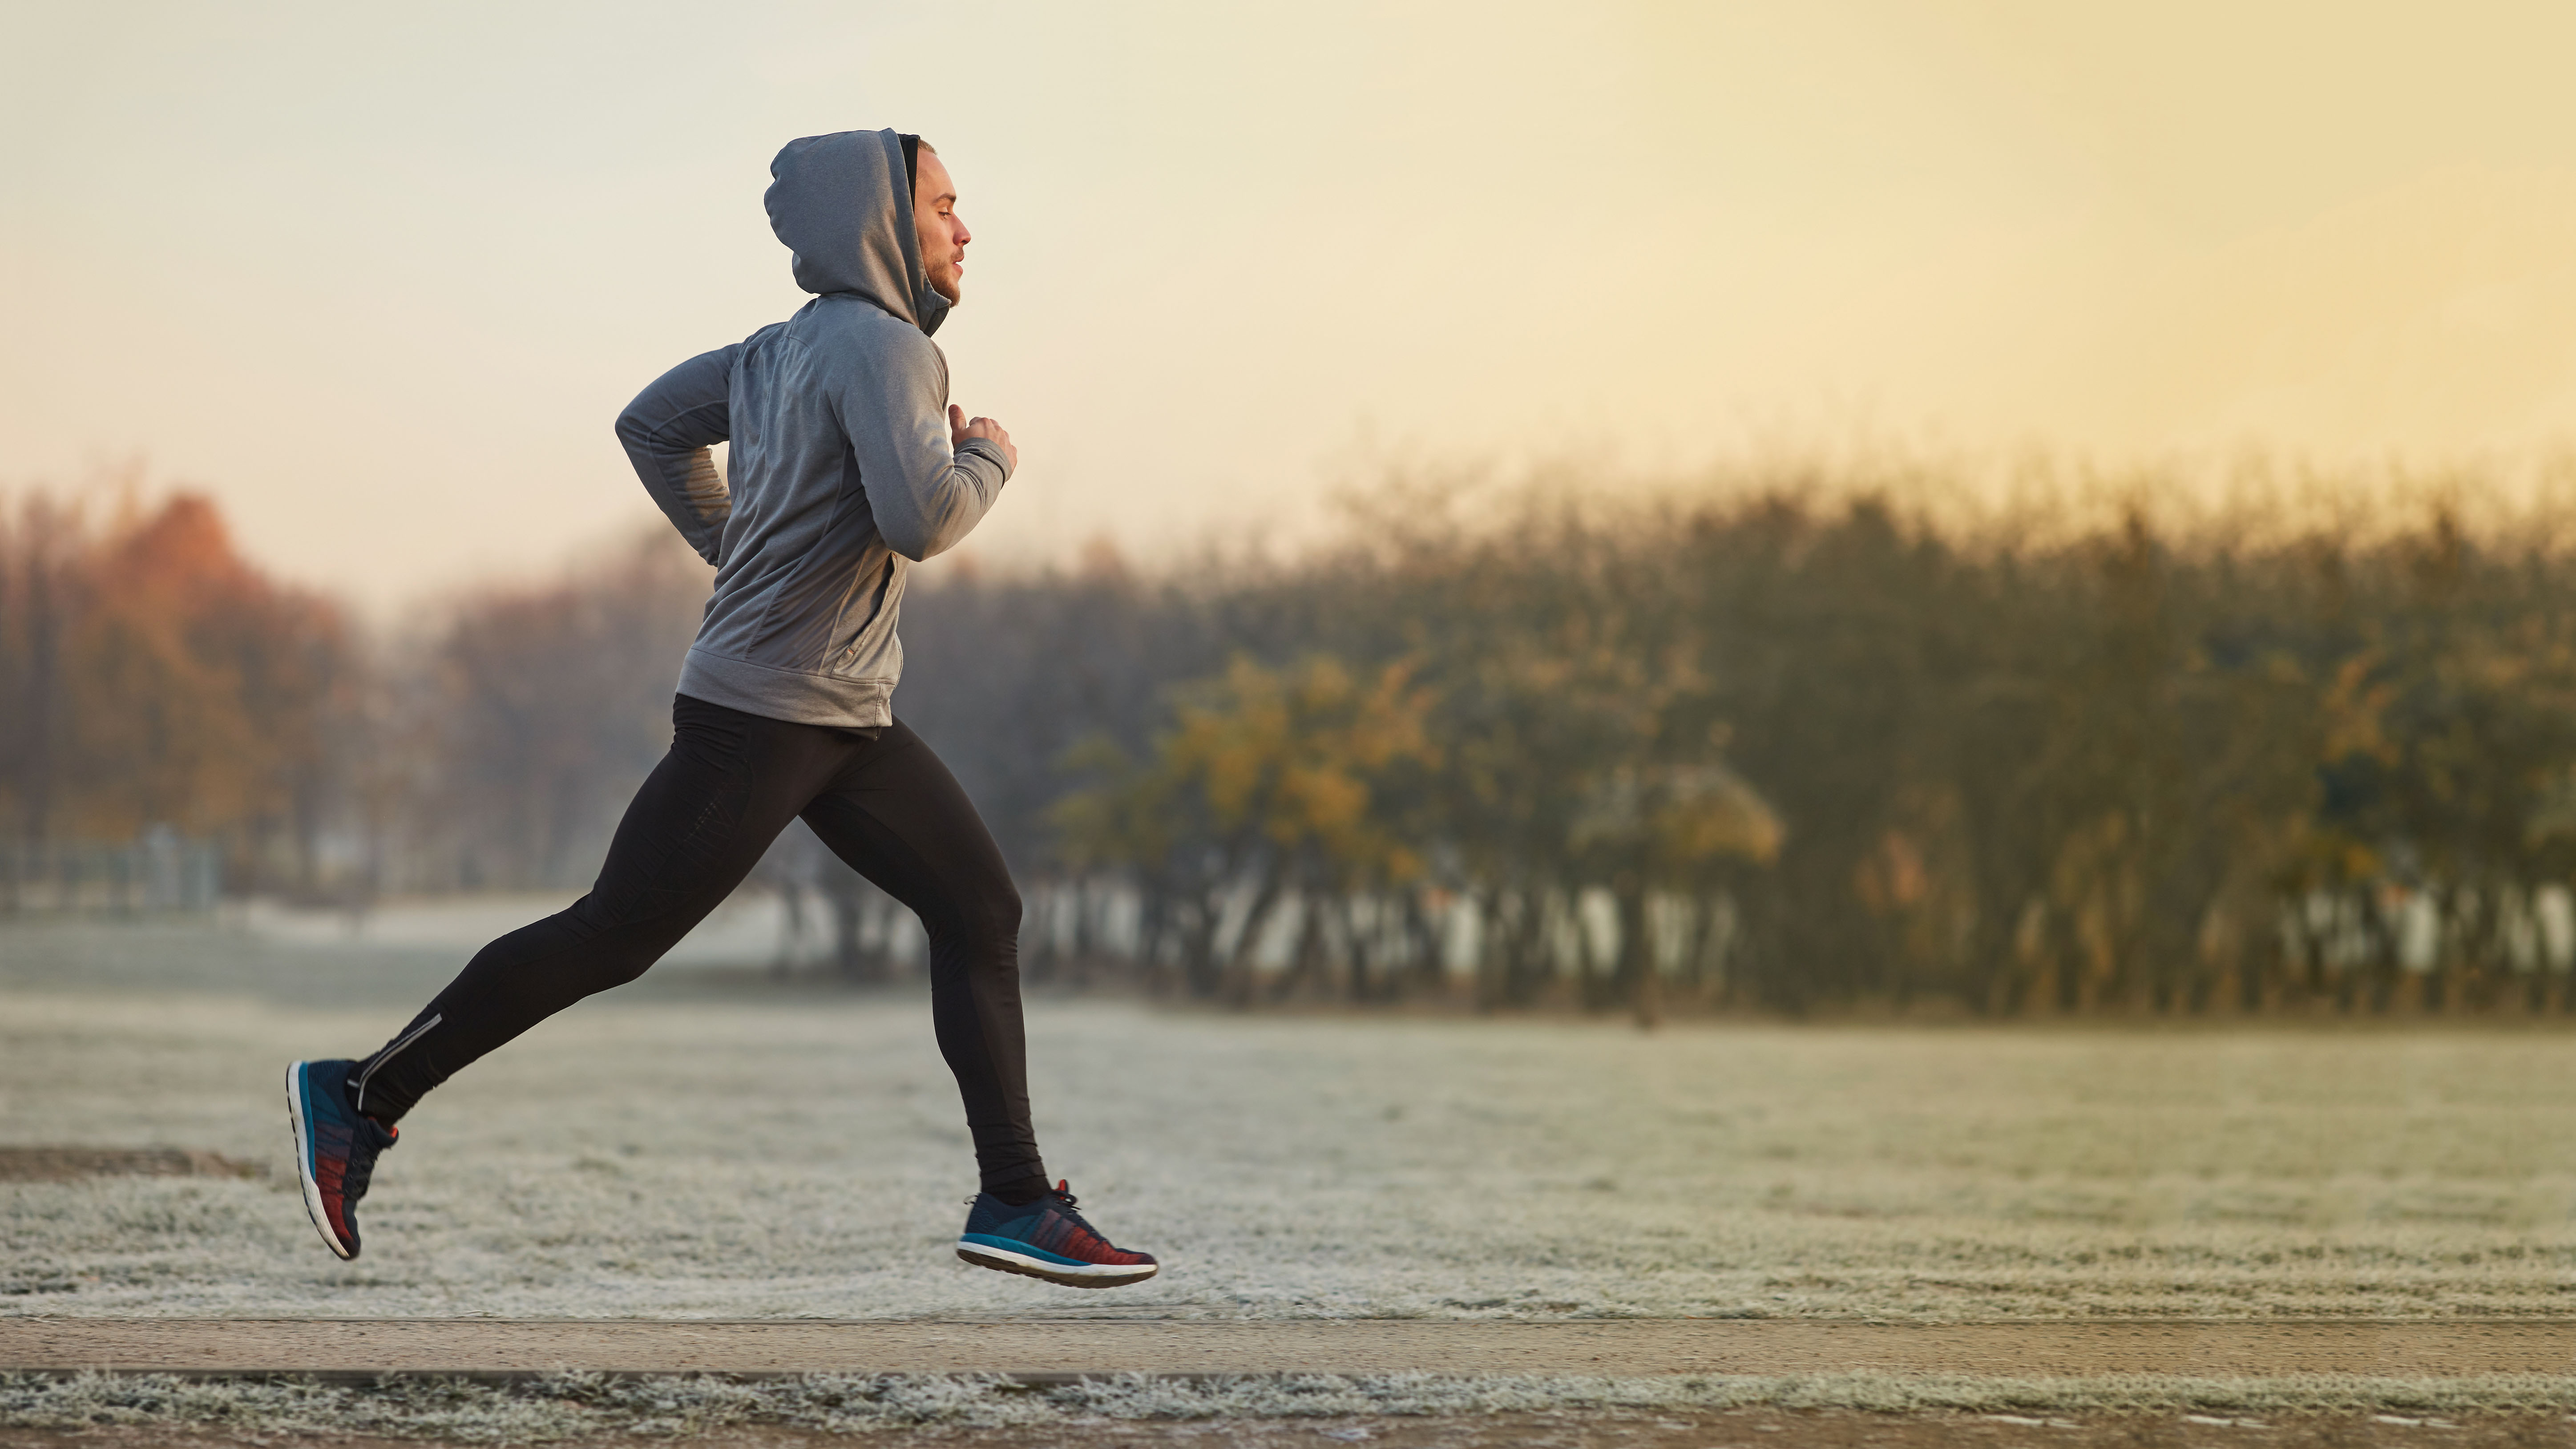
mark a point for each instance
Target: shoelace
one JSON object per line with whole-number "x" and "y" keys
{"x": 1065, "y": 1205}
{"x": 1061, "y": 1194}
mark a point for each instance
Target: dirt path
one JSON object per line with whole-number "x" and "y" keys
{"x": 1043, "y": 1350}
{"x": 1740, "y": 1429}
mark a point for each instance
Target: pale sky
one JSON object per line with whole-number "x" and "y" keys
{"x": 380, "y": 280}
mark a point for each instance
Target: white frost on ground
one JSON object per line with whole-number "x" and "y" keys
{"x": 760, "y": 1151}
{"x": 572, "y": 1405}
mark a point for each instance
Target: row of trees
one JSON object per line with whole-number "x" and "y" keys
{"x": 1753, "y": 750}
{"x": 1793, "y": 755}
{"x": 151, "y": 677}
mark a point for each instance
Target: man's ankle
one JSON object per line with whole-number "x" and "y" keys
{"x": 1024, "y": 1191}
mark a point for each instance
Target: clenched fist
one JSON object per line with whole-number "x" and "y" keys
{"x": 962, "y": 427}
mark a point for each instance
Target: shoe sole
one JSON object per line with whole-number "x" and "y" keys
{"x": 1004, "y": 1261}
{"x": 304, "y": 1163}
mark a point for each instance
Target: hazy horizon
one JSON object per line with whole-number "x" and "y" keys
{"x": 379, "y": 285}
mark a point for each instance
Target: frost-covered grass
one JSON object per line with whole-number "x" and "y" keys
{"x": 680, "y": 1149}
{"x": 573, "y": 1405}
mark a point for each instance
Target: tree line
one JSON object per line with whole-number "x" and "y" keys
{"x": 150, "y": 677}
{"x": 1793, "y": 750}
{"x": 1780, "y": 748}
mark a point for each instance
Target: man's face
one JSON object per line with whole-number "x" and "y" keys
{"x": 943, "y": 233}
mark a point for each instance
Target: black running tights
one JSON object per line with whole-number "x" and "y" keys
{"x": 732, "y": 781}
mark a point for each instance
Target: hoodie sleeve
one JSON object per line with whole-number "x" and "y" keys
{"x": 894, "y": 410}
{"x": 667, "y": 431}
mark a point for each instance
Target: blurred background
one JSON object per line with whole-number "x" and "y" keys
{"x": 1875, "y": 506}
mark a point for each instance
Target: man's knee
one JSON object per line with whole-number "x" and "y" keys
{"x": 619, "y": 949}
{"x": 996, "y": 907}
{"x": 984, "y": 913}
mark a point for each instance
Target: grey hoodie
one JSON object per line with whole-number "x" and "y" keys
{"x": 842, "y": 474}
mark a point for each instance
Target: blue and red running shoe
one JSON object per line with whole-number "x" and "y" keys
{"x": 335, "y": 1148}
{"x": 1048, "y": 1239}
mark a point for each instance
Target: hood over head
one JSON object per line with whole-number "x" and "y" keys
{"x": 842, "y": 205}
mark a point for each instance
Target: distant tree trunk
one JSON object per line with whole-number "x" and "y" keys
{"x": 1428, "y": 966}
{"x": 1154, "y": 926}
{"x": 1699, "y": 938}
{"x": 858, "y": 962}
{"x": 1593, "y": 977}
{"x": 1528, "y": 955}
{"x": 1636, "y": 978}
{"x": 1086, "y": 933}
{"x": 1306, "y": 958}
{"x": 849, "y": 957}
{"x": 1488, "y": 989}
{"x": 1240, "y": 962}
{"x": 2382, "y": 945}
{"x": 791, "y": 939}
{"x": 1201, "y": 974}
{"x": 1359, "y": 950}
{"x": 44, "y": 677}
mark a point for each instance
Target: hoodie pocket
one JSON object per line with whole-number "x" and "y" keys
{"x": 861, "y": 652}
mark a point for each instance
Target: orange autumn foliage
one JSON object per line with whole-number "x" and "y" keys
{"x": 154, "y": 676}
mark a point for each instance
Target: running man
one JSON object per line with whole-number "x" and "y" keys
{"x": 848, "y": 465}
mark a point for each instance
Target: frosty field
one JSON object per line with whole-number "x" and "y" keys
{"x": 705, "y": 1145}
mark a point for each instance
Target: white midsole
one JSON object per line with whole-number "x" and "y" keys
{"x": 304, "y": 1161}
{"x": 1137, "y": 1271}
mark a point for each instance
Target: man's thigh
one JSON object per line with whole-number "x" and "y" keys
{"x": 702, "y": 819}
{"x": 897, "y": 816}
